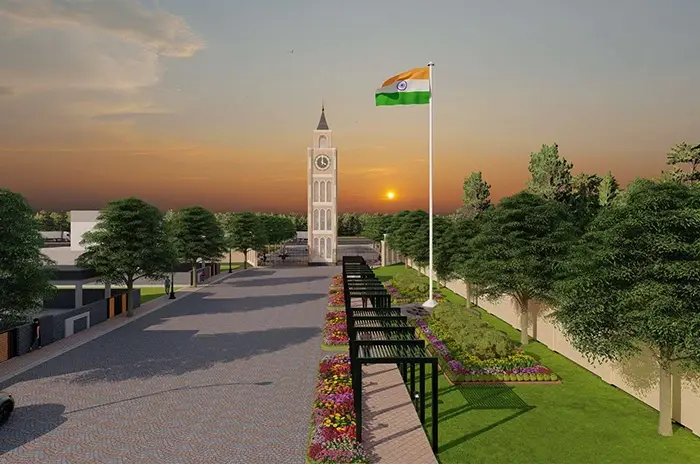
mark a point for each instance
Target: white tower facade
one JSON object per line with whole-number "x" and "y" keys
{"x": 322, "y": 168}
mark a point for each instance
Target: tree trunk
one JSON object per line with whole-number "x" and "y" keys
{"x": 469, "y": 294}
{"x": 129, "y": 298}
{"x": 245, "y": 259}
{"x": 665, "y": 400}
{"x": 524, "y": 337}
{"x": 194, "y": 274}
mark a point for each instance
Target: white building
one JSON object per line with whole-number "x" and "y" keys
{"x": 81, "y": 222}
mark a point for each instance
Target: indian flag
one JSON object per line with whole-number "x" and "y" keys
{"x": 408, "y": 88}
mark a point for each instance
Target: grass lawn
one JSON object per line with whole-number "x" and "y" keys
{"x": 151, "y": 293}
{"x": 584, "y": 420}
{"x": 234, "y": 266}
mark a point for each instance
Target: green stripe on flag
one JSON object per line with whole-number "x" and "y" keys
{"x": 402, "y": 98}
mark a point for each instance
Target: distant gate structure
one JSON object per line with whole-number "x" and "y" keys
{"x": 290, "y": 254}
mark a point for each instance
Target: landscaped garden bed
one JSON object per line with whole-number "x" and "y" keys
{"x": 405, "y": 288}
{"x": 333, "y": 435}
{"x": 336, "y": 283}
{"x": 335, "y": 331}
{"x": 517, "y": 367}
{"x": 336, "y": 301}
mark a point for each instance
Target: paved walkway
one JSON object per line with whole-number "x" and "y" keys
{"x": 223, "y": 375}
{"x": 392, "y": 432}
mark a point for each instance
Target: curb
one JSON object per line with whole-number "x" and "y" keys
{"x": 35, "y": 358}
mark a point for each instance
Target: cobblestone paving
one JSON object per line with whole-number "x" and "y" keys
{"x": 225, "y": 375}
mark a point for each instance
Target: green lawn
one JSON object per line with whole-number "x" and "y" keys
{"x": 584, "y": 420}
{"x": 151, "y": 293}
{"x": 234, "y": 266}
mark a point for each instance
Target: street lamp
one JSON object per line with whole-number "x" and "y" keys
{"x": 172, "y": 286}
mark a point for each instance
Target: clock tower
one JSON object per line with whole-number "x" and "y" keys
{"x": 322, "y": 166}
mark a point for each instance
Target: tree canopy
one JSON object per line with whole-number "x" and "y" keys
{"x": 278, "y": 229}
{"x": 128, "y": 242}
{"x": 245, "y": 231}
{"x": 607, "y": 190}
{"x": 197, "y": 235}
{"x": 476, "y": 196}
{"x": 633, "y": 282}
{"x": 24, "y": 271}
{"x": 517, "y": 248}
{"x": 684, "y": 154}
{"x": 551, "y": 174}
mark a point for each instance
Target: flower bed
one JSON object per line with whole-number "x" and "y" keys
{"x": 518, "y": 367}
{"x": 333, "y": 437}
{"x": 335, "y": 331}
{"x": 399, "y": 298}
{"x": 336, "y": 300}
{"x": 337, "y": 281}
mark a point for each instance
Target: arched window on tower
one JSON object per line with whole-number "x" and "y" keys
{"x": 329, "y": 220}
{"x": 316, "y": 219}
{"x": 329, "y": 189}
{"x": 323, "y": 141}
{"x": 316, "y": 190}
{"x": 329, "y": 253}
{"x": 323, "y": 220}
{"x": 322, "y": 248}
{"x": 323, "y": 191}
{"x": 316, "y": 247}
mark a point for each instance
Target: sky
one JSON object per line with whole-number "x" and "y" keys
{"x": 204, "y": 103}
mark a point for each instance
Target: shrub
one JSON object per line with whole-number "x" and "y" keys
{"x": 468, "y": 334}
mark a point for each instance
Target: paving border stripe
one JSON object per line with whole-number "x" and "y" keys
{"x": 98, "y": 330}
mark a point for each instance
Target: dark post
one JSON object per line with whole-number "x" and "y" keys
{"x": 421, "y": 410}
{"x": 357, "y": 397}
{"x": 172, "y": 286}
{"x": 404, "y": 372}
{"x": 229, "y": 261}
{"x": 434, "y": 412}
{"x": 413, "y": 379}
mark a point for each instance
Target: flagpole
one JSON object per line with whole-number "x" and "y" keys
{"x": 431, "y": 303}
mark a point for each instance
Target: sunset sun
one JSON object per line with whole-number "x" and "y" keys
{"x": 390, "y": 195}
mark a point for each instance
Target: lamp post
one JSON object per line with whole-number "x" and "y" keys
{"x": 172, "y": 286}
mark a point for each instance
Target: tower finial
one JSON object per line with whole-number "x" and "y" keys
{"x": 322, "y": 123}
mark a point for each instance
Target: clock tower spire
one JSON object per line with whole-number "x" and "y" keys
{"x": 322, "y": 166}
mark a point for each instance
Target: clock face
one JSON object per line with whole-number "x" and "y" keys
{"x": 323, "y": 162}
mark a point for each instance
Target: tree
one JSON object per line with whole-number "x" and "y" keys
{"x": 374, "y": 226}
{"x": 476, "y": 196}
{"x": 43, "y": 221}
{"x": 585, "y": 197}
{"x": 129, "y": 241}
{"x": 419, "y": 245}
{"x": 399, "y": 236}
{"x": 300, "y": 222}
{"x": 349, "y": 225}
{"x": 25, "y": 272}
{"x": 551, "y": 174}
{"x": 633, "y": 282}
{"x": 278, "y": 229}
{"x": 453, "y": 251}
{"x": 682, "y": 154}
{"x": 60, "y": 222}
{"x": 517, "y": 249}
{"x": 607, "y": 190}
{"x": 245, "y": 232}
{"x": 198, "y": 235}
